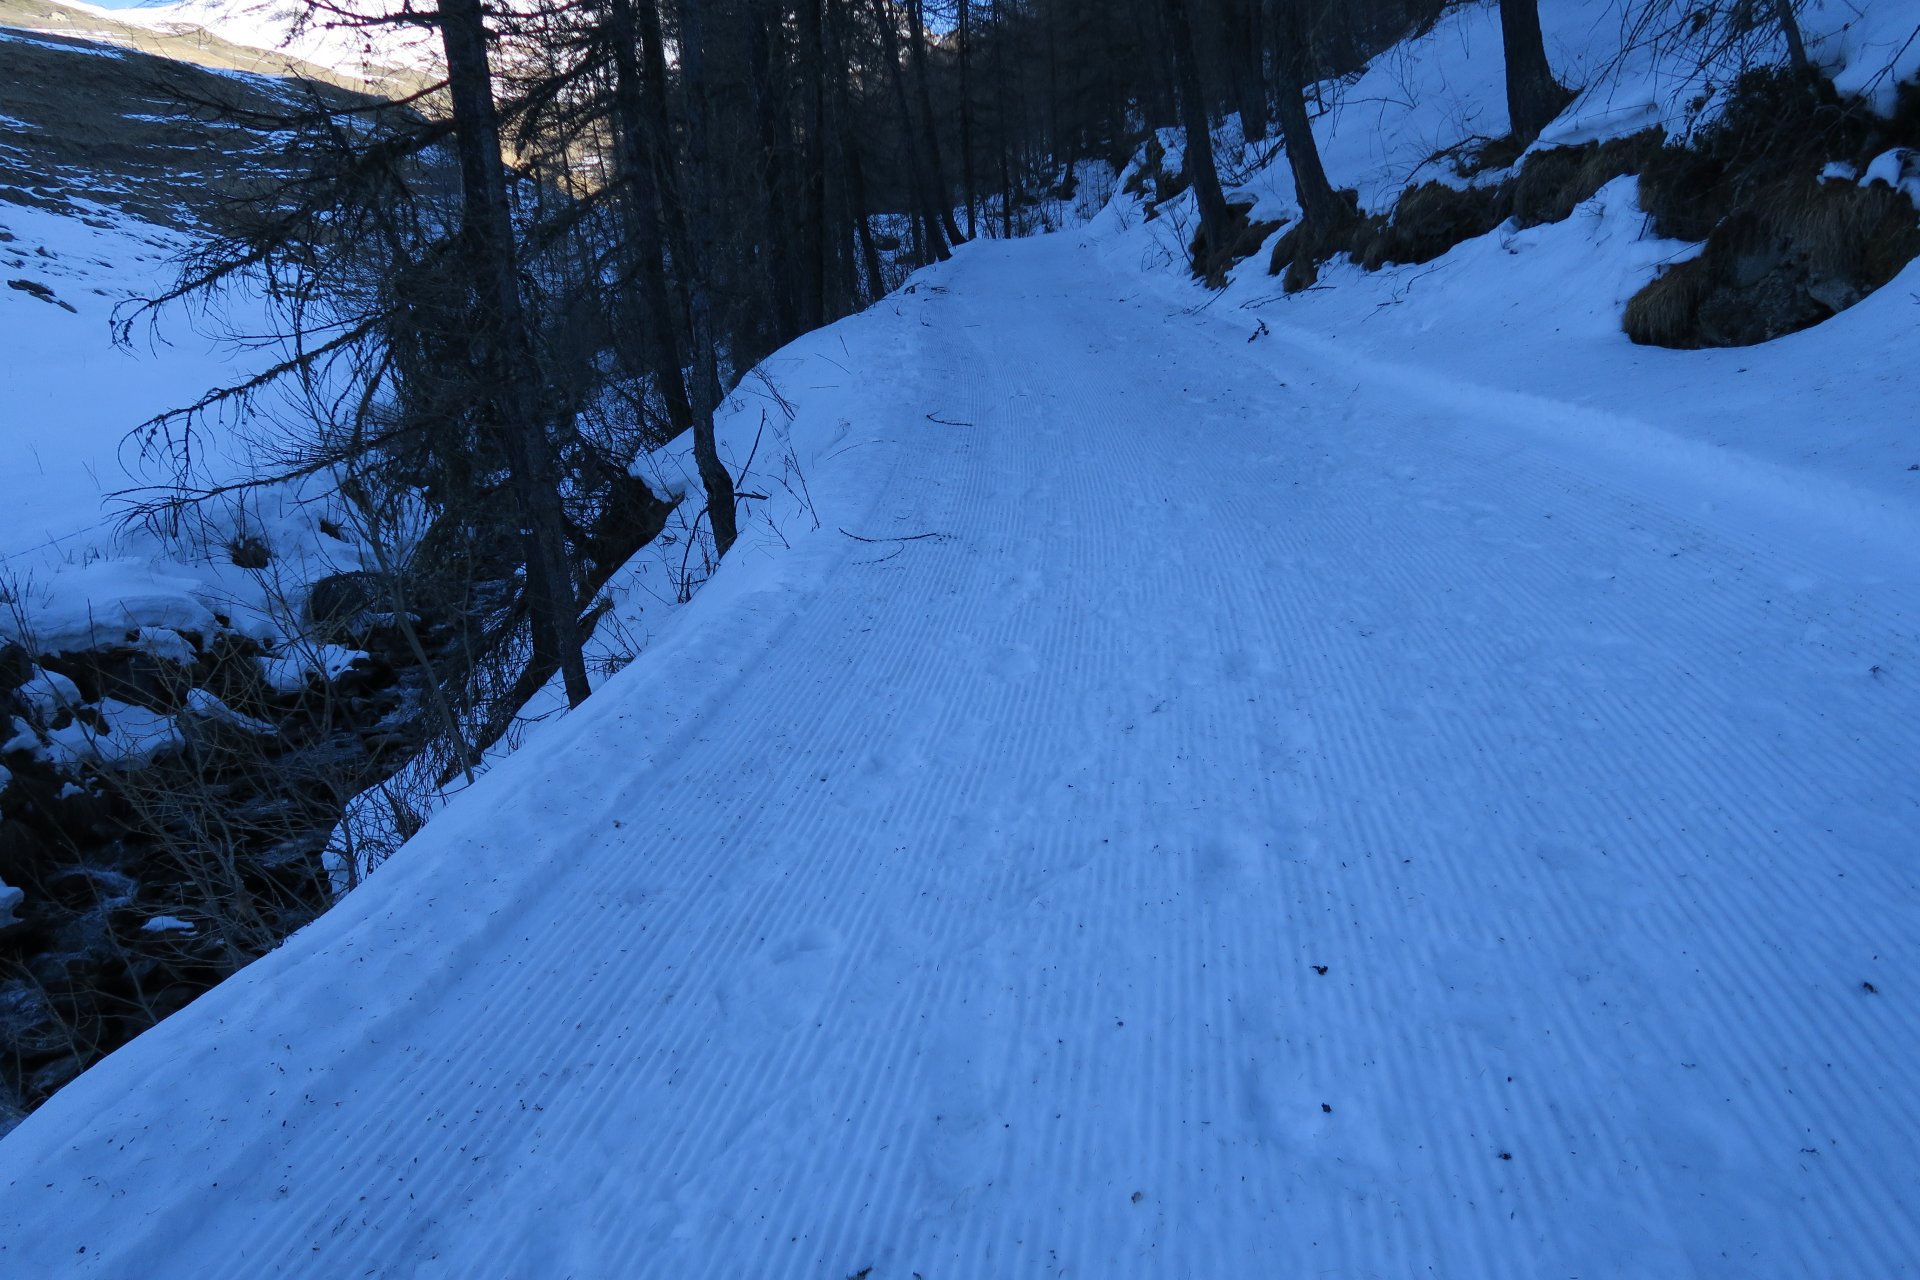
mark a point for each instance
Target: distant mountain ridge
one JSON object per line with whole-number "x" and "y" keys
{"x": 263, "y": 37}
{"x": 345, "y": 36}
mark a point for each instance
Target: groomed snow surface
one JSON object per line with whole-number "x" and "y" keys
{"x": 1394, "y": 781}
{"x": 1231, "y": 808}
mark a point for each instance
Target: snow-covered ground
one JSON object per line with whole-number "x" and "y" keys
{"x": 69, "y": 564}
{"x": 75, "y": 397}
{"x": 1395, "y": 780}
{"x": 1194, "y": 806}
{"x": 1399, "y": 122}
{"x": 1525, "y": 325}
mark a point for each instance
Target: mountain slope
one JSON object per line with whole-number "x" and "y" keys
{"x": 266, "y": 40}
{"x": 1190, "y": 808}
{"x": 117, "y": 164}
{"x": 348, "y": 39}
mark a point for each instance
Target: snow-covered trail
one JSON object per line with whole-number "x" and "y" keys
{"x": 1253, "y": 822}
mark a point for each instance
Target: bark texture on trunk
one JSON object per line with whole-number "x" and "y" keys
{"x": 1215, "y": 219}
{"x": 967, "y": 188}
{"x": 1322, "y": 207}
{"x": 1796, "y": 46}
{"x": 1248, "y": 45}
{"x": 714, "y": 476}
{"x": 503, "y": 356}
{"x": 813, "y": 165}
{"x": 1534, "y": 97}
{"x": 933, "y": 243}
{"x": 636, "y": 149}
{"x": 859, "y": 212}
{"x": 943, "y": 194}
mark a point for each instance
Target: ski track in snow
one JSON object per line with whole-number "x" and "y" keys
{"x": 965, "y": 905}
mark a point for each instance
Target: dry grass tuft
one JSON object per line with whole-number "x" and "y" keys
{"x": 1553, "y": 183}
{"x": 1665, "y": 312}
{"x": 1429, "y": 220}
{"x": 1243, "y": 239}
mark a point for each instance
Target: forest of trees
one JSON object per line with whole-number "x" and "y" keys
{"x": 688, "y": 185}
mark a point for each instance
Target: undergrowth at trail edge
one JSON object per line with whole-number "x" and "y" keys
{"x": 1774, "y": 189}
{"x": 1781, "y": 188}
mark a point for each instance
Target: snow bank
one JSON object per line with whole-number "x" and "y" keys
{"x": 78, "y": 398}
{"x": 108, "y": 604}
{"x": 306, "y": 662}
{"x": 1866, "y": 47}
{"x": 1898, "y": 169}
{"x": 1399, "y": 121}
{"x": 110, "y": 735}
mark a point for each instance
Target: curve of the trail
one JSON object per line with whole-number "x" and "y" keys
{"x": 1275, "y": 822}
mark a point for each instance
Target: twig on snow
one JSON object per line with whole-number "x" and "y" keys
{"x": 904, "y": 537}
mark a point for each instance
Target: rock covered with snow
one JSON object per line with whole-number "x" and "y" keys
{"x": 1898, "y": 168}
{"x": 104, "y": 603}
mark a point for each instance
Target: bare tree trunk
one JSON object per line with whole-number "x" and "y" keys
{"x": 1215, "y": 218}
{"x": 916, "y": 30}
{"x": 1534, "y": 97}
{"x": 770, "y": 115}
{"x": 1005, "y": 147}
{"x": 641, "y": 176}
{"x": 967, "y": 190}
{"x": 1322, "y": 207}
{"x": 1158, "y": 100}
{"x": 1053, "y": 87}
{"x": 813, "y": 166}
{"x": 933, "y": 243}
{"x": 863, "y": 222}
{"x": 1248, "y": 45}
{"x": 713, "y": 473}
{"x": 861, "y": 211}
{"x": 1796, "y": 46}
{"x": 504, "y": 355}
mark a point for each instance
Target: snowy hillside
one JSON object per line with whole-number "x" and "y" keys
{"x": 1537, "y": 311}
{"x": 1411, "y": 112}
{"x": 348, "y": 38}
{"x": 1389, "y": 779}
{"x": 93, "y": 226}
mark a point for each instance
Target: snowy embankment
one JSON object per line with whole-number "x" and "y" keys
{"x": 161, "y": 679}
{"x": 75, "y": 578}
{"x": 77, "y": 251}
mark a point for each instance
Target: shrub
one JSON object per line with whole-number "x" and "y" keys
{"x": 1666, "y": 311}
{"x": 1243, "y": 239}
{"x": 1431, "y": 219}
{"x": 247, "y": 551}
{"x": 1555, "y": 182}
